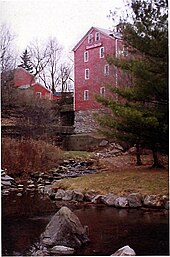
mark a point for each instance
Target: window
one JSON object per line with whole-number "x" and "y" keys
{"x": 90, "y": 38}
{"x": 106, "y": 69}
{"x": 86, "y": 95}
{"x": 125, "y": 50}
{"x": 39, "y": 94}
{"x": 102, "y": 91}
{"x": 101, "y": 52}
{"x": 97, "y": 36}
{"x": 86, "y": 73}
{"x": 86, "y": 56}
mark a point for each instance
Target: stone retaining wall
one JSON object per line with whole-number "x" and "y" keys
{"x": 84, "y": 121}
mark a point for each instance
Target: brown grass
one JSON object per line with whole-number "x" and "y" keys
{"x": 119, "y": 175}
{"x": 21, "y": 157}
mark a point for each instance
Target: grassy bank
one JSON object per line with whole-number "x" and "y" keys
{"x": 145, "y": 181}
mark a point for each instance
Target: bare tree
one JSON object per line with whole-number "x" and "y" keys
{"x": 64, "y": 77}
{"x": 46, "y": 60}
{"x": 7, "y": 53}
{"x": 39, "y": 57}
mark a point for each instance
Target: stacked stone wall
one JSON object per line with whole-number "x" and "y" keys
{"x": 85, "y": 122}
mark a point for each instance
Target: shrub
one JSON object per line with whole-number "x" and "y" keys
{"x": 24, "y": 156}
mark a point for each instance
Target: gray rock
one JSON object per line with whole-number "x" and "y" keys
{"x": 103, "y": 142}
{"x": 135, "y": 200}
{"x": 5, "y": 192}
{"x": 64, "y": 229}
{"x": 78, "y": 196}
{"x": 7, "y": 178}
{"x": 19, "y": 194}
{"x": 62, "y": 250}
{"x": 154, "y": 201}
{"x": 60, "y": 194}
{"x": 89, "y": 196}
{"x": 41, "y": 253}
{"x": 167, "y": 205}
{"x": 109, "y": 199}
{"x": 5, "y": 183}
{"x": 121, "y": 202}
{"x": 48, "y": 190}
{"x": 97, "y": 199}
{"x": 124, "y": 251}
{"x": 68, "y": 195}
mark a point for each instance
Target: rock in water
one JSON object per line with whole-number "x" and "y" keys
{"x": 64, "y": 229}
{"x": 124, "y": 251}
{"x": 62, "y": 250}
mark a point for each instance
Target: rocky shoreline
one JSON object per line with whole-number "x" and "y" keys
{"x": 61, "y": 196}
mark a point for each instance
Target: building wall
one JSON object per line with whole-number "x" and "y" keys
{"x": 23, "y": 77}
{"x": 41, "y": 91}
{"x": 85, "y": 109}
{"x": 95, "y": 64}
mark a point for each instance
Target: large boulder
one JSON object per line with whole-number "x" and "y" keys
{"x": 135, "y": 200}
{"x": 121, "y": 202}
{"x": 60, "y": 194}
{"x": 64, "y": 229}
{"x": 154, "y": 201}
{"x": 109, "y": 199}
{"x": 124, "y": 251}
{"x": 7, "y": 181}
{"x": 78, "y": 196}
{"x": 68, "y": 196}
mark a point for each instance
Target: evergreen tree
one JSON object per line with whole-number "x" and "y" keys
{"x": 26, "y": 63}
{"x": 141, "y": 117}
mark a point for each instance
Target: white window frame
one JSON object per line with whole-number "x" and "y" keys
{"x": 86, "y": 95}
{"x": 125, "y": 50}
{"x": 86, "y": 56}
{"x": 86, "y": 74}
{"x": 90, "y": 38}
{"x": 106, "y": 69}
{"x": 102, "y": 91}
{"x": 97, "y": 36}
{"x": 39, "y": 94}
{"x": 102, "y": 52}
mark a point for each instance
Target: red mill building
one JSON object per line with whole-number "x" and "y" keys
{"x": 92, "y": 73}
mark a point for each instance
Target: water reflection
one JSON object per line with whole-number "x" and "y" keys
{"x": 109, "y": 228}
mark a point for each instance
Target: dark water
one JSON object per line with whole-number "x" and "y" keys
{"x": 25, "y": 218}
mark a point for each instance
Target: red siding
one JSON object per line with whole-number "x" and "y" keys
{"x": 38, "y": 88}
{"x": 23, "y": 77}
{"x": 95, "y": 64}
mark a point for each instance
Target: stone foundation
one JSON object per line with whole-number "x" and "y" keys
{"x": 84, "y": 121}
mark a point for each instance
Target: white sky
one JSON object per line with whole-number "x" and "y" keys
{"x": 67, "y": 20}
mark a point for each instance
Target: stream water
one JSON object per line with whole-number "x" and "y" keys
{"x": 24, "y": 218}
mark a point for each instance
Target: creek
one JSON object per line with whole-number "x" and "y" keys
{"x": 25, "y": 217}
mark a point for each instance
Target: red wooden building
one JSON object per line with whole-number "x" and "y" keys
{"x": 24, "y": 80}
{"x": 92, "y": 72}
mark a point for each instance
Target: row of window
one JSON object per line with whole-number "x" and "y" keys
{"x": 101, "y": 54}
{"x": 86, "y": 93}
{"x": 123, "y": 52}
{"x": 91, "y": 38}
{"x": 87, "y": 72}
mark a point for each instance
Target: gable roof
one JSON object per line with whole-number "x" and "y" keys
{"x": 37, "y": 84}
{"x": 107, "y": 32}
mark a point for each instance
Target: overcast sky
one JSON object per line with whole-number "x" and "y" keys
{"x": 67, "y": 20}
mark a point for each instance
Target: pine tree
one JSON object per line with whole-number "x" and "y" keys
{"x": 26, "y": 63}
{"x": 141, "y": 117}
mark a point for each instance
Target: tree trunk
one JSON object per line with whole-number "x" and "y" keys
{"x": 138, "y": 155}
{"x": 156, "y": 162}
